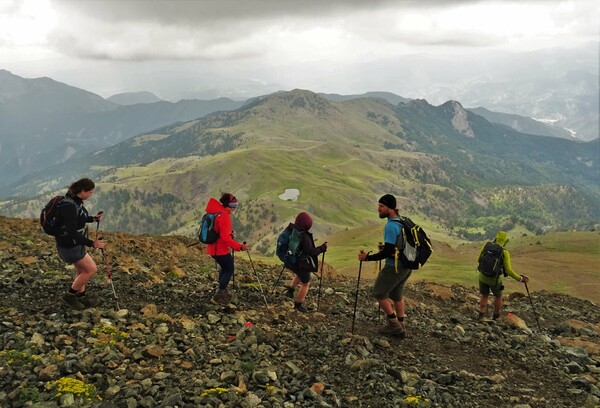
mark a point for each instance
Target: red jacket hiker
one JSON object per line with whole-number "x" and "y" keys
{"x": 223, "y": 227}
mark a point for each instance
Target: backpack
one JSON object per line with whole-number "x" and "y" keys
{"x": 288, "y": 246}
{"x": 413, "y": 246}
{"x": 206, "y": 231}
{"x": 49, "y": 220}
{"x": 491, "y": 260}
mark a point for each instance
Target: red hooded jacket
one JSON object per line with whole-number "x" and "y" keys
{"x": 223, "y": 227}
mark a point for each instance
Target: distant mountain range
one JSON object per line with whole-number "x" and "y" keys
{"x": 44, "y": 122}
{"x": 452, "y": 170}
{"x": 133, "y": 98}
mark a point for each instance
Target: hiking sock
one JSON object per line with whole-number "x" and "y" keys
{"x": 401, "y": 319}
{"x": 80, "y": 294}
{"x": 481, "y": 315}
{"x": 391, "y": 316}
{"x": 73, "y": 291}
{"x": 496, "y": 316}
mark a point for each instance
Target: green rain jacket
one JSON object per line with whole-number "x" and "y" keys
{"x": 501, "y": 239}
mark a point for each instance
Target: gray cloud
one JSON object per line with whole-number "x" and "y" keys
{"x": 194, "y": 11}
{"x": 133, "y": 30}
{"x": 246, "y": 47}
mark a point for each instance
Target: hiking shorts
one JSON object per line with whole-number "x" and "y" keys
{"x": 72, "y": 254}
{"x": 304, "y": 276}
{"x": 485, "y": 289}
{"x": 390, "y": 284}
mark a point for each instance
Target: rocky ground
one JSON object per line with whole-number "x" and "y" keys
{"x": 168, "y": 346}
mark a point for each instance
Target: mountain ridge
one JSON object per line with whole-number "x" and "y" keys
{"x": 341, "y": 156}
{"x": 36, "y": 116}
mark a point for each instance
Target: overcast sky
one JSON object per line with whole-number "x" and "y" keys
{"x": 243, "y": 48}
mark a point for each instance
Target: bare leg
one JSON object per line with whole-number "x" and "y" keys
{"x": 85, "y": 269}
{"x": 302, "y": 292}
{"x": 386, "y": 306}
{"x": 295, "y": 282}
{"x": 399, "y": 305}
{"x": 497, "y": 304}
{"x": 483, "y": 302}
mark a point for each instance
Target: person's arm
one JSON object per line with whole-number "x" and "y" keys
{"x": 308, "y": 246}
{"x": 388, "y": 251}
{"x": 391, "y": 232}
{"x": 508, "y": 267}
{"x": 224, "y": 224}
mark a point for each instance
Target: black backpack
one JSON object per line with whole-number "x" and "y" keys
{"x": 49, "y": 220}
{"x": 491, "y": 260}
{"x": 206, "y": 231}
{"x": 413, "y": 245}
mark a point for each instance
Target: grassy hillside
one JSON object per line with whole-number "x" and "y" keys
{"x": 565, "y": 262}
{"x": 455, "y": 172}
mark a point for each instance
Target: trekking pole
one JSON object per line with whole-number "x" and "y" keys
{"x": 320, "y": 281}
{"x": 378, "y": 305}
{"x": 257, "y": 278}
{"x": 108, "y": 274}
{"x": 533, "y": 308}
{"x": 98, "y": 224}
{"x": 106, "y": 267}
{"x": 277, "y": 281}
{"x": 233, "y": 273}
{"x": 356, "y": 296}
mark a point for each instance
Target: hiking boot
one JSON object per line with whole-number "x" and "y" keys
{"x": 289, "y": 292}
{"x": 89, "y": 301}
{"x": 220, "y": 298}
{"x": 72, "y": 300}
{"x": 394, "y": 328}
{"x": 300, "y": 307}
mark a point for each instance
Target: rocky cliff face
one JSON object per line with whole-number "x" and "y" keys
{"x": 169, "y": 346}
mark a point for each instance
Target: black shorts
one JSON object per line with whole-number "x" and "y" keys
{"x": 304, "y": 276}
{"x": 71, "y": 254}
{"x": 496, "y": 289}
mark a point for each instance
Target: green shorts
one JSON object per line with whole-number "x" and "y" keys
{"x": 390, "y": 284}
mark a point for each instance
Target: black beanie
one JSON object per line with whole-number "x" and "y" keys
{"x": 389, "y": 201}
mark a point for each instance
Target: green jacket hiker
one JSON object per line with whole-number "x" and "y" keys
{"x": 494, "y": 284}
